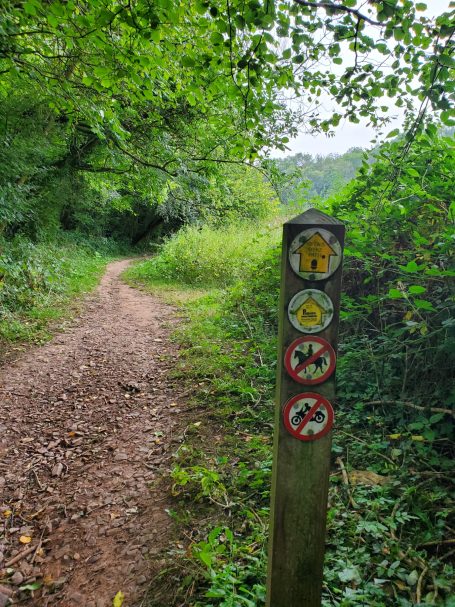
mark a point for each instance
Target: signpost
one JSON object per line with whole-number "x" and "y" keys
{"x": 309, "y": 305}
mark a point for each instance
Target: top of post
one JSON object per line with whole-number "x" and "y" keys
{"x": 313, "y": 217}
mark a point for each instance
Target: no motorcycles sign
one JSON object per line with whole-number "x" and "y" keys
{"x": 308, "y": 416}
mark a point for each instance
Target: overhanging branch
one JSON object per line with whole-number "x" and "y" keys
{"x": 338, "y": 7}
{"x": 146, "y": 163}
{"x": 91, "y": 169}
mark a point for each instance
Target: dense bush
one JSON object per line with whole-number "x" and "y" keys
{"x": 386, "y": 533}
{"x": 37, "y": 281}
{"x": 214, "y": 256}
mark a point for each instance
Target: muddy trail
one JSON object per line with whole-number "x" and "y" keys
{"x": 87, "y": 423}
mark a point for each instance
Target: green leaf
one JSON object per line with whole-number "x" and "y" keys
{"x": 52, "y": 20}
{"x": 188, "y": 61}
{"x": 32, "y": 586}
{"x": 412, "y": 172}
{"x": 393, "y": 133}
{"x": 423, "y": 304}
{"x": 416, "y": 289}
{"x": 155, "y": 35}
{"x": 216, "y": 38}
{"x": 411, "y": 267}
{"x": 395, "y": 294}
{"x": 446, "y": 60}
{"x": 349, "y": 574}
{"x": 448, "y": 118}
{"x": 29, "y": 8}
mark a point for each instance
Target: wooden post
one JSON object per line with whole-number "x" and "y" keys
{"x": 309, "y": 316}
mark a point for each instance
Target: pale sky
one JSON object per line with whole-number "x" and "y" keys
{"x": 348, "y": 135}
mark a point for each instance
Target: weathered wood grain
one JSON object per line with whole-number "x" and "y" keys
{"x": 301, "y": 469}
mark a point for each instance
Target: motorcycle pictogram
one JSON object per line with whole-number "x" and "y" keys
{"x": 299, "y": 416}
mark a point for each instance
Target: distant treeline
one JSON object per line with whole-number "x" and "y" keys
{"x": 309, "y": 176}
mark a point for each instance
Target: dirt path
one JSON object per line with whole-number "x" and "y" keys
{"x": 85, "y": 422}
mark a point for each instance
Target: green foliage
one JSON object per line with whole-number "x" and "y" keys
{"x": 385, "y": 531}
{"x": 398, "y": 260}
{"x": 232, "y": 62}
{"x": 96, "y": 89}
{"x": 208, "y": 255}
{"x": 240, "y": 193}
{"x": 198, "y": 481}
{"x": 37, "y": 282}
{"x": 106, "y": 129}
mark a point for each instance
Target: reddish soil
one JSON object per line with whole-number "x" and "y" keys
{"x": 87, "y": 423}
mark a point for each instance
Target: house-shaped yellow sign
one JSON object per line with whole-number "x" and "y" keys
{"x": 310, "y": 312}
{"x": 315, "y": 254}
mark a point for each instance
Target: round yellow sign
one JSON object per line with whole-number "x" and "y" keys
{"x": 315, "y": 254}
{"x": 310, "y": 311}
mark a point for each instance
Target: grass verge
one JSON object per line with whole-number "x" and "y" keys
{"x": 41, "y": 283}
{"x": 389, "y": 525}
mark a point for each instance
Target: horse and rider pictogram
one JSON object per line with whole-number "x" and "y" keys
{"x": 310, "y": 360}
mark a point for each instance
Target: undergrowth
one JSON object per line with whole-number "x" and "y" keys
{"x": 209, "y": 256}
{"x": 39, "y": 281}
{"x": 398, "y": 502}
{"x": 390, "y": 525}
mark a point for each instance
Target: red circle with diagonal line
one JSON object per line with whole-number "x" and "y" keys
{"x": 310, "y": 360}
{"x": 308, "y": 416}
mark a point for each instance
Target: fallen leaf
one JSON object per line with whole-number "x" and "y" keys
{"x": 367, "y": 477}
{"x": 118, "y": 599}
{"x": 25, "y": 539}
{"x": 33, "y": 586}
{"x": 7, "y": 513}
{"x": 57, "y": 469}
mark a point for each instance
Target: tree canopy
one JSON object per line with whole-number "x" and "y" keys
{"x": 137, "y": 75}
{"x": 139, "y": 105}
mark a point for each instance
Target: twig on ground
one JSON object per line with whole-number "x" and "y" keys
{"x": 345, "y": 476}
{"x": 447, "y": 555}
{"x": 13, "y": 393}
{"x": 22, "y": 555}
{"x": 252, "y": 335}
{"x": 360, "y": 440}
{"x": 419, "y": 585}
{"x": 40, "y": 543}
{"x": 412, "y": 405}
{"x": 437, "y": 543}
{"x": 37, "y": 479}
